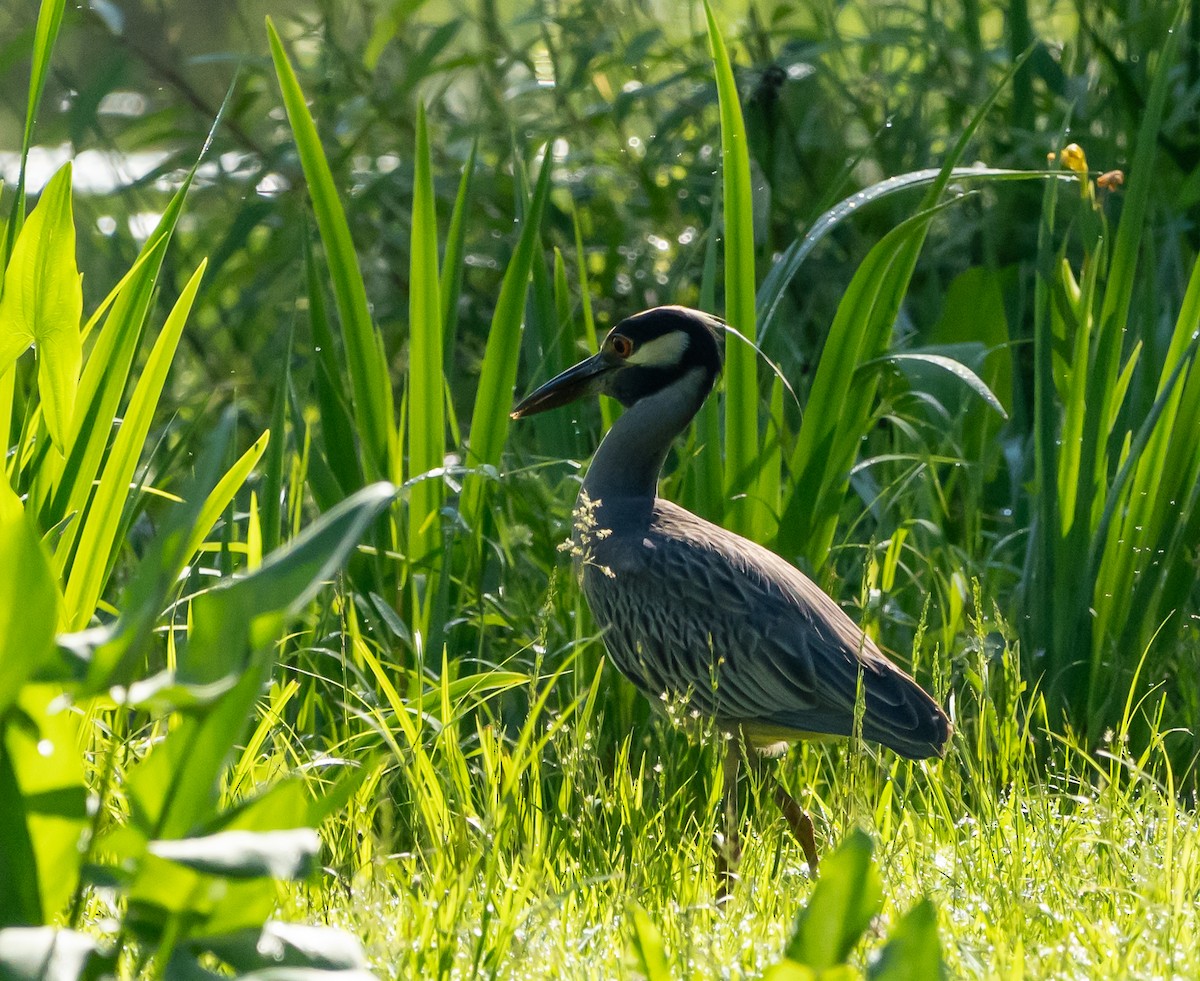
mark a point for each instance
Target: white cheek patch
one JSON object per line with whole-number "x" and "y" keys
{"x": 660, "y": 352}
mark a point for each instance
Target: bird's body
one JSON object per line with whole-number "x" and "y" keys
{"x": 693, "y": 612}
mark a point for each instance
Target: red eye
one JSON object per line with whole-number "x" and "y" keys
{"x": 622, "y": 346}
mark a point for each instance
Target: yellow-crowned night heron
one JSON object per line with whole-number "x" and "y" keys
{"x": 692, "y": 611}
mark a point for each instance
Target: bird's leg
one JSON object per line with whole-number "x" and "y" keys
{"x": 728, "y": 847}
{"x": 799, "y": 821}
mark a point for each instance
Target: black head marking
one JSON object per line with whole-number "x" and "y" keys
{"x": 658, "y": 347}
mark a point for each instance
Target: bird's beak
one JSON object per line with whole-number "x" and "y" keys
{"x": 572, "y": 384}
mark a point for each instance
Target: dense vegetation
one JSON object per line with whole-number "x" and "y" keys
{"x": 286, "y": 635}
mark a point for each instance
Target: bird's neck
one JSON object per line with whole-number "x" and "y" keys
{"x": 631, "y": 456}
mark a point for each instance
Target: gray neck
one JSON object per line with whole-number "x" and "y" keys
{"x": 631, "y": 456}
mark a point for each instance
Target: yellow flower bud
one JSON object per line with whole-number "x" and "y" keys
{"x": 1073, "y": 158}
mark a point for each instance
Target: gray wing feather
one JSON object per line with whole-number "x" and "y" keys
{"x": 692, "y": 610}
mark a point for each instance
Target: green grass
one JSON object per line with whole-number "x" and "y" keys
{"x": 244, "y": 686}
{"x": 1079, "y": 866}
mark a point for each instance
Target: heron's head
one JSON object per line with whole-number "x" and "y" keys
{"x": 640, "y": 357}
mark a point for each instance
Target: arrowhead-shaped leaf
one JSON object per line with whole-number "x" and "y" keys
{"x": 43, "y": 301}
{"x": 286, "y": 854}
{"x": 50, "y": 954}
{"x": 280, "y": 944}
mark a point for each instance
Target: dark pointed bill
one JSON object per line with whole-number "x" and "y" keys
{"x": 572, "y": 384}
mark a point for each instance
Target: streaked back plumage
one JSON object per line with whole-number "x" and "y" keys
{"x": 693, "y": 611}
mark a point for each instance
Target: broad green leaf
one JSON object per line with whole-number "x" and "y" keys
{"x": 282, "y": 806}
{"x": 163, "y": 891}
{"x": 913, "y": 951}
{"x": 21, "y": 901}
{"x": 288, "y": 578}
{"x": 369, "y": 381}
{"x": 173, "y": 791}
{"x": 290, "y": 945}
{"x": 49, "y": 772}
{"x": 161, "y": 694}
{"x": 51, "y": 954}
{"x": 28, "y": 598}
{"x": 746, "y": 513}
{"x": 646, "y": 948}
{"x": 285, "y": 854}
{"x": 848, "y": 894}
{"x": 43, "y": 302}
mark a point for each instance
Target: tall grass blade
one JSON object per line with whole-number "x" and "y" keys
{"x": 839, "y": 402}
{"x": 222, "y": 494}
{"x": 708, "y": 467}
{"x": 50, "y": 15}
{"x": 1042, "y": 559}
{"x": 745, "y": 513}
{"x": 426, "y": 385}
{"x": 838, "y": 410}
{"x": 61, "y": 487}
{"x": 608, "y": 407}
{"x": 273, "y": 481}
{"x": 91, "y": 564}
{"x": 493, "y": 399}
{"x": 370, "y": 386}
{"x": 337, "y": 418}
{"x": 453, "y": 261}
{"x": 779, "y": 277}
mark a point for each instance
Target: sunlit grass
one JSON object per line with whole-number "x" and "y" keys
{"x": 1081, "y": 866}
